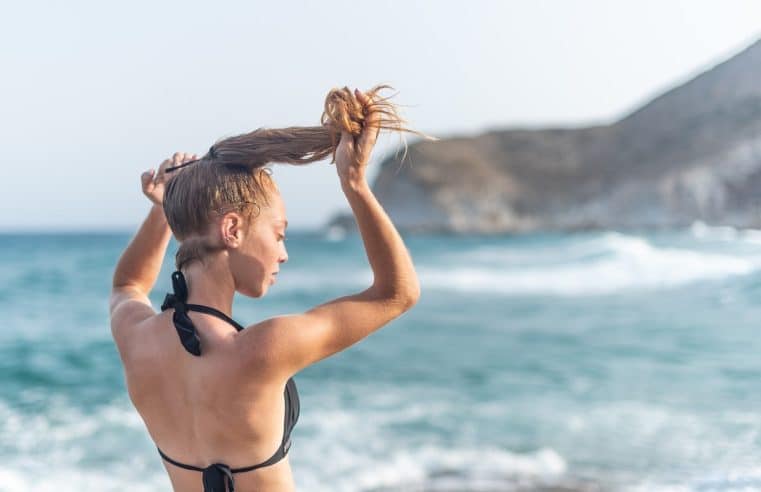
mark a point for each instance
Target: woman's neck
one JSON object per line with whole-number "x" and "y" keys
{"x": 211, "y": 284}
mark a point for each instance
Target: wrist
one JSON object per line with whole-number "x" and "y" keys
{"x": 157, "y": 211}
{"x": 354, "y": 184}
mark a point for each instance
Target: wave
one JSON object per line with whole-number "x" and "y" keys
{"x": 474, "y": 469}
{"x": 69, "y": 448}
{"x": 562, "y": 266}
{"x": 369, "y": 450}
{"x": 106, "y": 448}
{"x": 700, "y": 230}
{"x": 603, "y": 265}
{"x": 739, "y": 480}
{"x": 57, "y": 479}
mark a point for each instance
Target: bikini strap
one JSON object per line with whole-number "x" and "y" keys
{"x": 177, "y": 463}
{"x": 178, "y": 300}
{"x": 279, "y": 454}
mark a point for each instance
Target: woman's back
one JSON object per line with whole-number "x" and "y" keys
{"x": 219, "y": 408}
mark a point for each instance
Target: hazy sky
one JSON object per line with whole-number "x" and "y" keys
{"x": 92, "y": 94}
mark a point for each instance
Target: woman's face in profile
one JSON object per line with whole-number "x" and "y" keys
{"x": 256, "y": 263}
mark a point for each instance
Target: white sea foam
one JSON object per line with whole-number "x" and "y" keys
{"x": 702, "y": 231}
{"x": 52, "y": 451}
{"x": 55, "y": 450}
{"x": 430, "y": 467}
{"x": 736, "y": 480}
{"x": 393, "y": 442}
{"x": 465, "y": 468}
{"x": 53, "y": 478}
{"x": 615, "y": 262}
{"x": 579, "y": 266}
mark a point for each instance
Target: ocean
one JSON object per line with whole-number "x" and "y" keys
{"x": 594, "y": 361}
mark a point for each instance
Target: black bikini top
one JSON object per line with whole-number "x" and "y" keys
{"x": 218, "y": 477}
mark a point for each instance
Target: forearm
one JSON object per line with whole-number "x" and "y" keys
{"x": 393, "y": 271}
{"x": 140, "y": 263}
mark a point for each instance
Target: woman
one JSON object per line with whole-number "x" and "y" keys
{"x": 219, "y": 400}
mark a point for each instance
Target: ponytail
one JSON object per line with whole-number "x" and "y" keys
{"x": 232, "y": 176}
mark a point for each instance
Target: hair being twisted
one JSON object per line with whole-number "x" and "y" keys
{"x": 232, "y": 176}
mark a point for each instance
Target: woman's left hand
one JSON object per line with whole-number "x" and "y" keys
{"x": 154, "y": 181}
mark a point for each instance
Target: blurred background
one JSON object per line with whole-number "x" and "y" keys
{"x": 587, "y": 234}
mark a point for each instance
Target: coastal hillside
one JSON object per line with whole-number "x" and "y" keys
{"x": 691, "y": 154}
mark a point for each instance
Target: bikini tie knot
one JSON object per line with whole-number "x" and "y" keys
{"x": 171, "y": 301}
{"x": 218, "y": 478}
{"x": 182, "y": 322}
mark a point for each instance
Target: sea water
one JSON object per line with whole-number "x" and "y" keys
{"x": 591, "y": 361}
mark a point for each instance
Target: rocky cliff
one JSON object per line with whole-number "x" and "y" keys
{"x": 693, "y": 153}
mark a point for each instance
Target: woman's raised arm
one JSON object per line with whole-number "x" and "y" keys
{"x": 140, "y": 264}
{"x": 296, "y": 341}
{"x": 393, "y": 272}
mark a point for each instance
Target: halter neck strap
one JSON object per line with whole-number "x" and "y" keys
{"x": 186, "y": 330}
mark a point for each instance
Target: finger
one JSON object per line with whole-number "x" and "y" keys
{"x": 366, "y": 101}
{"x": 165, "y": 164}
{"x": 161, "y": 173}
{"x": 370, "y": 129}
{"x": 373, "y": 116}
{"x": 362, "y": 97}
{"x": 146, "y": 179}
{"x": 175, "y": 160}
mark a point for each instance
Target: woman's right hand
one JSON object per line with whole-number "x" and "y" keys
{"x": 154, "y": 182}
{"x": 353, "y": 154}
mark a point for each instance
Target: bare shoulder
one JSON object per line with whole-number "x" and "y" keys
{"x": 258, "y": 344}
{"x": 136, "y": 341}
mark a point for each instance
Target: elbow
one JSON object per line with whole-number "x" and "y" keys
{"x": 403, "y": 296}
{"x": 413, "y": 296}
{"x": 408, "y": 296}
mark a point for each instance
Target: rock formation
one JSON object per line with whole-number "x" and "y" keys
{"x": 693, "y": 153}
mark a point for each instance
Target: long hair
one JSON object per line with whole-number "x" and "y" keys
{"x": 231, "y": 176}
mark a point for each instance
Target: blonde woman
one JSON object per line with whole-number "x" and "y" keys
{"x": 218, "y": 398}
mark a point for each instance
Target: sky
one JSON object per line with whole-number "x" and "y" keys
{"x": 94, "y": 93}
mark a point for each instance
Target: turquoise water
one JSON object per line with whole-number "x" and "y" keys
{"x": 595, "y": 361}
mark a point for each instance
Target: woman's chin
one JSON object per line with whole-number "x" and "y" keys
{"x": 254, "y": 293}
{"x": 261, "y": 290}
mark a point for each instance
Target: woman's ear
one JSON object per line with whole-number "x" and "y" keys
{"x": 231, "y": 228}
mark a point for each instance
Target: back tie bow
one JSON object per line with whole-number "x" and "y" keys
{"x": 218, "y": 478}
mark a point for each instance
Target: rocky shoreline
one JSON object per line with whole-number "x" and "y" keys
{"x": 691, "y": 154}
